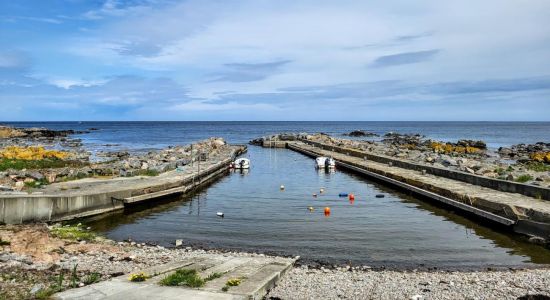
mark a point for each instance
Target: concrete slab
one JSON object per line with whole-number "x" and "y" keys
{"x": 257, "y": 274}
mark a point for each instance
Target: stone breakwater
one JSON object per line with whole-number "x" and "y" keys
{"x": 17, "y": 174}
{"x": 519, "y": 163}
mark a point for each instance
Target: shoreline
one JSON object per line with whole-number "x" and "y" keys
{"x": 34, "y": 256}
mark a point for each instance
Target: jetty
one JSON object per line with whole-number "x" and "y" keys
{"x": 93, "y": 196}
{"x": 515, "y": 206}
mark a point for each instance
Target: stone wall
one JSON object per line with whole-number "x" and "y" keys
{"x": 497, "y": 184}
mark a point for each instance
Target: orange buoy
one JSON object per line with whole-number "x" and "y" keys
{"x": 351, "y": 197}
{"x": 327, "y": 211}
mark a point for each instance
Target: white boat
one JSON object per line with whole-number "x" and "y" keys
{"x": 241, "y": 163}
{"x": 322, "y": 162}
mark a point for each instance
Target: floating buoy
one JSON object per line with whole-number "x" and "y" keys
{"x": 380, "y": 196}
{"x": 327, "y": 211}
{"x": 282, "y": 187}
{"x": 343, "y": 195}
{"x": 220, "y": 214}
{"x": 314, "y": 195}
{"x": 351, "y": 197}
{"x": 322, "y": 190}
{"x": 311, "y": 208}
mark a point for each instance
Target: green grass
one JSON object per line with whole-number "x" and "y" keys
{"x": 37, "y": 183}
{"x": 213, "y": 276}
{"x": 183, "y": 277}
{"x": 92, "y": 278}
{"x": 20, "y": 164}
{"x": 537, "y": 166}
{"x": 524, "y": 178}
{"x": 76, "y": 233}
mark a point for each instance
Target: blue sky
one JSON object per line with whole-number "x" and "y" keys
{"x": 274, "y": 60}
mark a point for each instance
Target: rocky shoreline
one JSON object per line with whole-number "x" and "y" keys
{"x": 38, "y": 260}
{"x": 529, "y": 164}
{"x": 31, "y": 159}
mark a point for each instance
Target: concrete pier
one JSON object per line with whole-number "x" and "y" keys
{"x": 521, "y": 213}
{"x": 87, "y": 197}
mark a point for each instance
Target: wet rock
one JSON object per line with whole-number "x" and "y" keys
{"x": 360, "y": 133}
{"x": 471, "y": 143}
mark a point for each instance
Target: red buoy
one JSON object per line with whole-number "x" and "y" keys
{"x": 327, "y": 211}
{"x": 351, "y": 197}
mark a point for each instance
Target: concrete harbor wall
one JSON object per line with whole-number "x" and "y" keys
{"x": 21, "y": 208}
{"x": 520, "y": 213}
{"x": 492, "y": 183}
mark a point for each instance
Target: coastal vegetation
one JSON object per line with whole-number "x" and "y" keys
{"x": 34, "y": 157}
{"x": 524, "y": 178}
{"x": 187, "y": 277}
{"x": 183, "y": 277}
{"x": 73, "y": 232}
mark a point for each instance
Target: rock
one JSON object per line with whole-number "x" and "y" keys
{"x": 179, "y": 243}
{"x": 510, "y": 177}
{"x": 471, "y": 143}
{"x": 144, "y": 166}
{"x": 36, "y": 175}
{"x": 19, "y": 185}
{"x": 537, "y": 240}
{"x": 470, "y": 170}
{"x": 50, "y": 177}
{"x": 360, "y": 133}
{"x": 36, "y": 288}
{"x": 4, "y": 188}
{"x": 449, "y": 162}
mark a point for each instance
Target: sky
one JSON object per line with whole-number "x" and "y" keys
{"x": 253, "y": 60}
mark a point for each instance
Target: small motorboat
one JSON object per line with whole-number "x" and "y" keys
{"x": 241, "y": 163}
{"x": 322, "y": 162}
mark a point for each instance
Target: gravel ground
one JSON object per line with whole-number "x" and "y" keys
{"x": 306, "y": 283}
{"x": 33, "y": 261}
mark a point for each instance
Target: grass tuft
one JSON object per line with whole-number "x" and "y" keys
{"x": 524, "y": 178}
{"x": 76, "y": 233}
{"x": 537, "y": 166}
{"x": 183, "y": 277}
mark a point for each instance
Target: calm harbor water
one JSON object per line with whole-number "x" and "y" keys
{"x": 398, "y": 230}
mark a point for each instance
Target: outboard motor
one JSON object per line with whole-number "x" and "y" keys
{"x": 327, "y": 164}
{"x": 241, "y": 163}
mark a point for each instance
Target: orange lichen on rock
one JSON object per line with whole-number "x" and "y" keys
{"x": 32, "y": 153}
{"x": 541, "y": 156}
{"x": 450, "y": 148}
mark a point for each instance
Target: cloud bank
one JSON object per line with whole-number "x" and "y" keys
{"x": 261, "y": 60}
